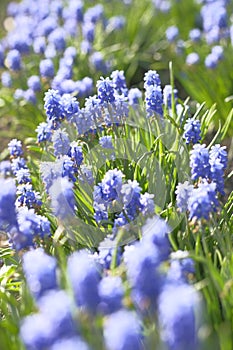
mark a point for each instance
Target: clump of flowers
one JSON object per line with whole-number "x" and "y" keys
{"x": 200, "y": 198}
{"x": 98, "y": 294}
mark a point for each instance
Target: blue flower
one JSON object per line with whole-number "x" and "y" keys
{"x": 36, "y": 332}
{"x": 195, "y": 34}
{"x": 39, "y": 45}
{"x": 57, "y": 306}
{"x": 94, "y": 14}
{"x": 155, "y": 231}
{"x": 34, "y": 83}
{"x": 101, "y": 213}
{"x": 15, "y": 148}
{"x": 62, "y": 198}
{"x": 218, "y": 152}
{"x": 167, "y": 96}
{"x": 7, "y": 204}
{"x": 119, "y": 82}
{"x": 88, "y": 30}
{"x": 183, "y": 192}
{"x": 203, "y": 201}
{"x": 93, "y": 108}
{"x": 115, "y": 23}
{"x": 142, "y": 260}
{"x": 217, "y": 51}
{"x": 134, "y": 96}
{"x": 192, "y": 130}
{"x": 57, "y": 38}
{"x": 211, "y": 61}
{"x": 13, "y": 60}
{"x": 44, "y": 132}
{"x": 53, "y": 106}
{"x": 76, "y": 10}
{"x": 70, "y": 106}
{"x": 27, "y": 196}
{"x": 106, "y": 142}
{"x": 111, "y": 293}
{"x": 96, "y": 60}
{"x": 40, "y": 272}
{"x": 151, "y": 78}
{"x": 75, "y": 153}
{"x": 29, "y": 96}
{"x": 105, "y": 90}
{"x": 46, "y": 68}
{"x": 106, "y": 254}
{"x": 217, "y": 174}
{"x": 68, "y": 168}
{"x": 6, "y": 79}
{"x": 131, "y": 195}
{"x": 120, "y": 109}
{"x": 23, "y": 176}
{"x": 172, "y": 33}
{"x": 192, "y": 59}
{"x": 110, "y": 187}
{"x": 127, "y": 335}
{"x": 17, "y": 164}
{"x": 61, "y": 142}
{"x": 154, "y": 101}
{"x": 84, "y": 277}
{"x": 54, "y": 322}
{"x": 162, "y": 5}
{"x": 199, "y": 162}
{"x": 176, "y": 306}
{"x": 31, "y": 225}
{"x": 50, "y": 171}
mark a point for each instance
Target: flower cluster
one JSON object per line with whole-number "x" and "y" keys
{"x": 48, "y": 34}
{"x": 97, "y": 294}
{"x": 23, "y": 210}
{"x": 212, "y": 29}
{"x": 122, "y": 201}
{"x": 207, "y": 170}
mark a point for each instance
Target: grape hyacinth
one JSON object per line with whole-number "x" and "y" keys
{"x": 203, "y": 201}
{"x": 75, "y": 153}
{"x": 167, "y": 96}
{"x": 15, "y": 148}
{"x": 84, "y": 277}
{"x": 53, "y": 106}
{"x": 40, "y": 271}
{"x": 192, "y": 131}
{"x": 199, "y": 162}
{"x": 62, "y": 198}
{"x": 54, "y": 322}
{"x": 172, "y": 33}
{"x": 111, "y": 293}
{"x": 119, "y": 82}
{"x": 153, "y": 94}
{"x": 61, "y": 142}
{"x": 127, "y": 335}
{"x": 142, "y": 261}
{"x": 183, "y": 193}
{"x": 105, "y": 91}
{"x": 151, "y": 78}
{"x": 44, "y": 132}
{"x": 30, "y": 227}
{"x": 7, "y": 204}
{"x": 177, "y": 304}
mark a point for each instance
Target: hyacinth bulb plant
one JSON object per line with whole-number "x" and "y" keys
{"x": 113, "y": 218}
{"x": 115, "y": 191}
